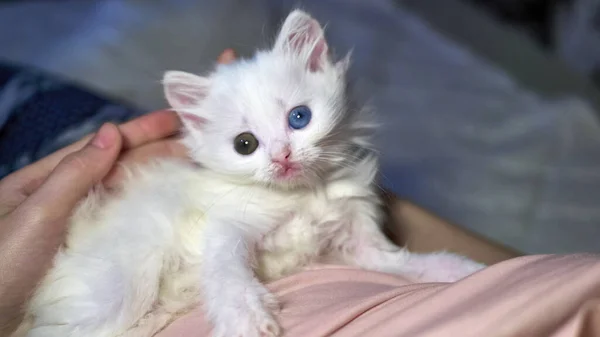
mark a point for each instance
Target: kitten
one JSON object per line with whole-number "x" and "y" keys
{"x": 286, "y": 178}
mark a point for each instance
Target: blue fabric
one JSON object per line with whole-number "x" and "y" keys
{"x": 40, "y": 114}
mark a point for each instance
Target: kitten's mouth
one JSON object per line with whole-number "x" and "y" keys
{"x": 287, "y": 171}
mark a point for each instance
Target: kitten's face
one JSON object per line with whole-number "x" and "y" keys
{"x": 277, "y": 119}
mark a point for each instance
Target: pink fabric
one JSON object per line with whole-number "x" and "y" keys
{"x": 545, "y": 295}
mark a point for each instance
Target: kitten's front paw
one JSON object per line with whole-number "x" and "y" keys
{"x": 248, "y": 316}
{"x": 270, "y": 302}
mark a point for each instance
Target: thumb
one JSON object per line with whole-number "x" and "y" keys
{"x": 76, "y": 174}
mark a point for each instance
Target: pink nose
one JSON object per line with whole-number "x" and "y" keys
{"x": 282, "y": 156}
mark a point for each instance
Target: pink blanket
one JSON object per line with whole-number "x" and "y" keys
{"x": 547, "y": 295}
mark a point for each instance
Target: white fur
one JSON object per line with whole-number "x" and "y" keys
{"x": 178, "y": 235}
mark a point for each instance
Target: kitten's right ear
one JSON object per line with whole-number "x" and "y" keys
{"x": 185, "y": 92}
{"x": 303, "y": 37}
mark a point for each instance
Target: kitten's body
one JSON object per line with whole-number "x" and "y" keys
{"x": 179, "y": 235}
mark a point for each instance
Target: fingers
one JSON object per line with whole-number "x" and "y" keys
{"x": 149, "y": 128}
{"x": 227, "y": 56}
{"x": 13, "y": 190}
{"x": 166, "y": 148}
{"x": 75, "y": 175}
{"x": 137, "y": 132}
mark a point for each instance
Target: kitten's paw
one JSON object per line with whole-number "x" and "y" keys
{"x": 247, "y": 316}
{"x": 271, "y": 302}
{"x": 248, "y": 324}
{"x": 445, "y": 267}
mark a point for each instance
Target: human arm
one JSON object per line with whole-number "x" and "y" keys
{"x": 423, "y": 231}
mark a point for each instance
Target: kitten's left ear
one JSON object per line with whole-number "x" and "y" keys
{"x": 185, "y": 92}
{"x": 302, "y": 36}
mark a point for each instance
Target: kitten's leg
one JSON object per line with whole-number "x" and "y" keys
{"x": 92, "y": 296}
{"x": 236, "y": 302}
{"x": 366, "y": 246}
{"x": 108, "y": 275}
{"x": 180, "y": 293}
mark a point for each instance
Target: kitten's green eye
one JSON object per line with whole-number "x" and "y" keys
{"x": 245, "y": 143}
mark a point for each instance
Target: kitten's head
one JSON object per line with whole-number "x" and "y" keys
{"x": 280, "y": 118}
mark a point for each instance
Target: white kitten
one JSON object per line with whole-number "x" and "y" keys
{"x": 286, "y": 179}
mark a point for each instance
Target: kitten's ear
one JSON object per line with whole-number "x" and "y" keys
{"x": 302, "y": 36}
{"x": 184, "y": 92}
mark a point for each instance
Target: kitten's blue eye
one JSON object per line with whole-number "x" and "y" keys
{"x": 299, "y": 117}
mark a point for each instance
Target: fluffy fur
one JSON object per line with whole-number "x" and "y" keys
{"x": 179, "y": 235}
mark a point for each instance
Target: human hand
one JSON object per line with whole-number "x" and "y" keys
{"x": 143, "y": 138}
{"x": 36, "y": 201}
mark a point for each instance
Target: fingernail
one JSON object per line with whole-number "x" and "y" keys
{"x": 227, "y": 56}
{"x": 105, "y": 137}
{"x": 229, "y": 52}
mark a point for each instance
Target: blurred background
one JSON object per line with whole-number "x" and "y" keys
{"x": 490, "y": 107}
